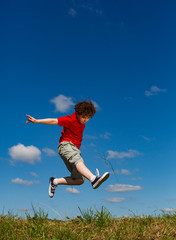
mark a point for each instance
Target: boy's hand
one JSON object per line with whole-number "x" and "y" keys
{"x": 31, "y": 119}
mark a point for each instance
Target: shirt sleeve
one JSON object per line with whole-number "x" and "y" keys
{"x": 64, "y": 121}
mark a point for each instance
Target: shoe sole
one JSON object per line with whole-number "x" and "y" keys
{"x": 49, "y": 191}
{"x": 101, "y": 180}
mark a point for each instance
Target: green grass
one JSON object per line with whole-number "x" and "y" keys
{"x": 90, "y": 224}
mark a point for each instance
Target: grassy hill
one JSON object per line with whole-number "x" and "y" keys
{"x": 91, "y": 224}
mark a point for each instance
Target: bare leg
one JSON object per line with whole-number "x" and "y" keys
{"x": 69, "y": 181}
{"x": 84, "y": 171}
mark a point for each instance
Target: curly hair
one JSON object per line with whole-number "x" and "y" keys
{"x": 85, "y": 108}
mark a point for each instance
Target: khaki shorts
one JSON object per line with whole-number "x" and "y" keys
{"x": 71, "y": 155}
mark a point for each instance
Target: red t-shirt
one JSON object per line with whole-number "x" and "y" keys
{"x": 73, "y": 129}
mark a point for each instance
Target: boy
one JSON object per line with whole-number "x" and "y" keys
{"x": 69, "y": 144}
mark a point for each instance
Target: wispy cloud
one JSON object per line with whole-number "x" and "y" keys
{"x": 122, "y": 172}
{"x": 49, "y": 152}
{"x": 27, "y": 154}
{"x": 90, "y": 137}
{"x": 119, "y": 155}
{"x": 92, "y": 9}
{"x": 146, "y": 138}
{"x": 24, "y": 182}
{"x": 154, "y": 90}
{"x": 92, "y": 145}
{"x": 72, "y": 190}
{"x": 33, "y": 174}
{"x": 115, "y": 200}
{"x": 72, "y": 12}
{"x": 169, "y": 210}
{"x": 62, "y": 103}
{"x": 96, "y": 105}
{"x": 122, "y": 188}
{"x": 125, "y": 172}
{"x": 136, "y": 179}
{"x": 106, "y": 135}
{"x": 89, "y": 8}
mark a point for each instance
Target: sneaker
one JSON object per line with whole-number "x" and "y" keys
{"x": 52, "y": 187}
{"x": 99, "y": 180}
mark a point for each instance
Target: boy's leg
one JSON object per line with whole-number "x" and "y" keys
{"x": 68, "y": 181}
{"x": 81, "y": 168}
{"x": 71, "y": 156}
{"x": 53, "y": 182}
{"x": 96, "y": 181}
{"x": 84, "y": 171}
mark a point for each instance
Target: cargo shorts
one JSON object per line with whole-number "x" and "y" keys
{"x": 71, "y": 155}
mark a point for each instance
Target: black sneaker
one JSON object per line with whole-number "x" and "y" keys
{"x": 99, "y": 180}
{"x": 52, "y": 187}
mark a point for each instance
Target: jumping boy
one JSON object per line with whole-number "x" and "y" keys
{"x": 69, "y": 144}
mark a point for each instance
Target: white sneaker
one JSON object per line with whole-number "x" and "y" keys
{"x": 100, "y": 179}
{"x": 52, "y": 187}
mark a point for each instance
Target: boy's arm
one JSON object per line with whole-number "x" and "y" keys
{"x": 50, "y": 121}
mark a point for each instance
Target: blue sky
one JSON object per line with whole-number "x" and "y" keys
{"x": 120, "y": 55}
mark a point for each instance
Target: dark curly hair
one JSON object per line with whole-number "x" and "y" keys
{"x": 85, "y": 108}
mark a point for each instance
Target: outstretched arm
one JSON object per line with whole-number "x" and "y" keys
{"x": 50, "y": 121}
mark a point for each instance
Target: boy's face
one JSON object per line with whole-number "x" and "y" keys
{"x": 83, "y": 119}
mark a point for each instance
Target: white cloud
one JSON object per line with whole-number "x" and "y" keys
{"x": 21, "y": 153}
{"x": 24, "y": 182}
{"x": 33, "y": 174}
{"x": 72, "y": 190}
{"x": 125, "y": 172}
{"x": 49, "y": 152}
{"x": 90, "y": 137}
{"x": 115, "y": 200}
{"x": 146, "y": 138}
{"x": 122, "y": 188}
{"x": 130, "y": 154}
{"x": 154, "y": 90}
{"x": 92, "y": 145}
{"x": 72, "y": 12}
{"x": 92, "y": 9}
{"x": 136, "y": 179}
{"x": 169, "y": 210}
{"x": 62, "y": 103}
{"x": 106, "y": 135}
{"x": 122, "y": 172}
{"x": 96, "y": 105}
